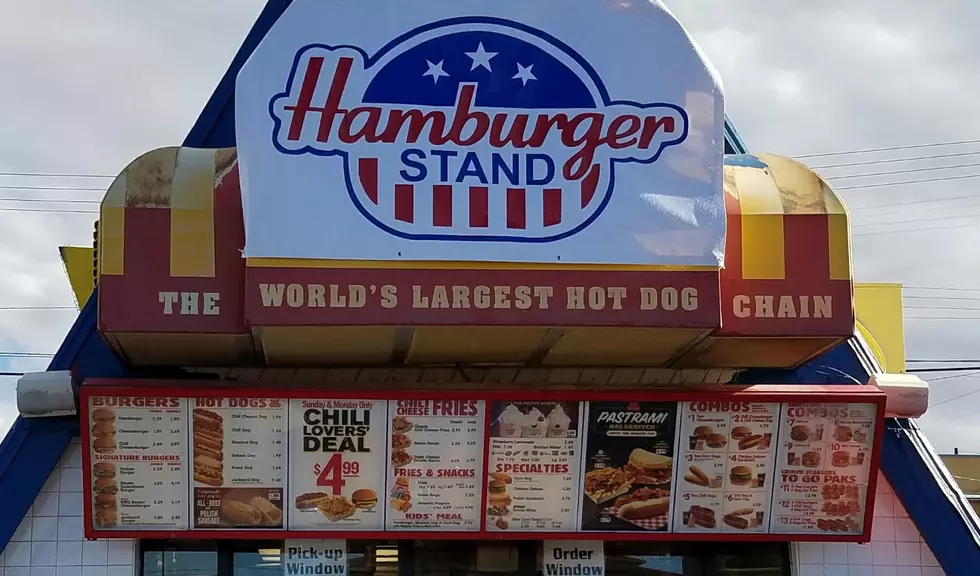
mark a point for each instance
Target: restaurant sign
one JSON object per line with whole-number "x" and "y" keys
{"x": 436, "y": 133}
{"x": 713, "y": 464}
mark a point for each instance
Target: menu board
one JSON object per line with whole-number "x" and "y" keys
{"x": 435, "y": 470}
{"x": 533, "y": 467}
{"x": 337, "y": 464}
{"x": 138, "y": 462}
{"x": 628, "y": 467}
{"x": 504, "y": 467}
{"x": 239, "y": 447}
{"x": 823, "y": 464}
{"x": 726, "y": 461}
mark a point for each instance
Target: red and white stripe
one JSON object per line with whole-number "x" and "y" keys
{"x": 477, "y": 199}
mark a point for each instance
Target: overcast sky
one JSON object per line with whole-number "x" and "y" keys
{"x": 87, "y": 86}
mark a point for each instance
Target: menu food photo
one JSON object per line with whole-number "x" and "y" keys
{"x": 534, "y": 461}
{"x": 823, "y": 466}
{"x": 725, "y": 453}
{"x": 628, "y": 466}
{"x": 337, "y": 464}
{"x": 239, "y": 448}
{"x": 138, "y": 460}
{"x": 435, "y": 470}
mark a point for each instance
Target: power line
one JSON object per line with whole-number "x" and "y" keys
{"x": 55, "y": 175}
{"x": 905, "y": 182}
{"x": 954, "y": 398}
{"x": 50, "y": 200}
{"x": 905, "y": 171}
{"x": 946, "y": 361}
{"x": 26, "y": 355}
{"x": 49, "y": 211}
{"x": 941, "y": 318}
{"x": 888, "y": 149}
{"x": 924, "y": 201}
{"x": 894, "y": 160}
{"x": 68, "y": 188}
{"x": 944, "y": 288}
{"x": 944, "y": 218}
{"x": 945, "y": 369}
{"x": 18, "y": 308}
{"x": 953, "y": 377}
{"x": 910, "y": 230}
{"x": 969, "y": 298}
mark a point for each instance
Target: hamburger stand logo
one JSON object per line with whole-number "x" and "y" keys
{"x": 469, "y": 129}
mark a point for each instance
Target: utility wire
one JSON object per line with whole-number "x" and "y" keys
{"x": 55, "y": 175}
{"x": 895, "y": 160}
{"x": 906, "y": 182}
{"x": 904, "y": 171}
{"x": 888, "y": 149}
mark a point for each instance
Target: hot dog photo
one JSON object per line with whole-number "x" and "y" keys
{"x": 629, "y": 466}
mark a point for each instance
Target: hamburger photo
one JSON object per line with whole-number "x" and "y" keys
{"x": 103, "y": 415}
{"x": 105, "y": 501}
{"x": 364, "y": 499}
{"x": 105, "y": 486}
{"x": 649, "y": 468}
{"x": 104, "y": 445}
{"x": 740, "y": 432}
{"x": 703, "y": 431}
{"x": 740, "y": 476}
{"x": 799, "y": 433}
{"x": 496, "y": 486}
{"x": 811, "y": 459}
{"x": 843, "y": 434}
{"x": 105, "y": 518}
{"x": 100, "y": 429}
{"x": 104, "y": 470}
{"x": 715, "y": 441}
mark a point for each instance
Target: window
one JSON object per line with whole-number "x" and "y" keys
{"x": 465, "y": 558}
{"x": 175, "y": 559}
{"x": 254, "y": 558}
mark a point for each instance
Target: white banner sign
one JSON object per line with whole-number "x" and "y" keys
{"x": 573, "y": 558}
{"x": 314, "y": 557}
{"x": 436, "y": 134}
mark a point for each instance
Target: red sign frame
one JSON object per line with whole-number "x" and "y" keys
{"x": 757, "y": 393}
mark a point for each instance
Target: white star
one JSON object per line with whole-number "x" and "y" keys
{"x": 436, "y": 71}
{"x": 524, "y": 74}
{"x": 481, "y": 58}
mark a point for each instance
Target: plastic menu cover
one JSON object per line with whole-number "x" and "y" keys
{"x": 534, "y": 463}
{"x": 337, "y": 452}
{"x": 822, "y": 468}
{"x": 628, "y": 469}
{"x": 239, "y": 448}
{"x": 435, "y": 468}
{"x": 725, "y": 457}
{"x": 138, "y": 449}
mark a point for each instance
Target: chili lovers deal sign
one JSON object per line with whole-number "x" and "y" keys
{"x": 492, "y": 131}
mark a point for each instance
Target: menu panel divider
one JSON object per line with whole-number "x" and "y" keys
{"x": 626, "y": 465}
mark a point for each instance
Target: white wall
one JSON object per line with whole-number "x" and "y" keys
{"x": 896, "y": 547}
{"x": 50, "y": 542}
